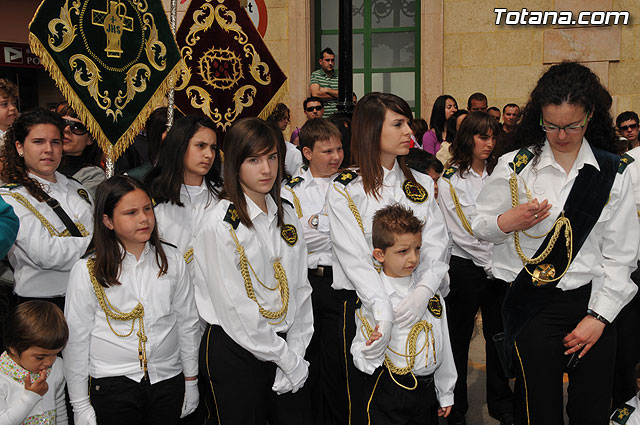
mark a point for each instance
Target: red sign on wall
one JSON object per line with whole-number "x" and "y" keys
{"x": 18, "y": 54}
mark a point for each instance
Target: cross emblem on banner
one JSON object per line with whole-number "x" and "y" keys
{"x": 115, "y": 22}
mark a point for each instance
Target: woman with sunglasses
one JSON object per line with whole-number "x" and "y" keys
{"x": 82, "y": 157}
{"x": 55, "y": 212}
{"x": 561, "y": 213}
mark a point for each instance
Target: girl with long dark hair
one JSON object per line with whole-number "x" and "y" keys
{"x": 252, "y": 251}
{"x": 132, "y": 355}
{"x": 381, "y": 136}
{"x": 443, "y": 109}
{"x": 471, "y": 283}
{"x": 561, "y": 213}
{"x": 55, "y": 212}
{"x": 184, "y": 190}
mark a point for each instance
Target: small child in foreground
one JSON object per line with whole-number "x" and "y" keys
{"x": 417, "y": 366}
{"x": 31, "y": 378}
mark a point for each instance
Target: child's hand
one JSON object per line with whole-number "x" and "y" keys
{"x": 444, "y": 411}
{"x": 375, "y": 335}
{"x": 40, "y": 386}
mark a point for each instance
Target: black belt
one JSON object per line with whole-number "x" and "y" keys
{"x": 321, "y": 271}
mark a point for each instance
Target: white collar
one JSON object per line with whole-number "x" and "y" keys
{"x": 253, "y": 210}
{"x": 585, "y": 156}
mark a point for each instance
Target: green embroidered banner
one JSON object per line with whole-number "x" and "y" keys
{"x": 229, "y": 72}
{"x": 113, "y": 60}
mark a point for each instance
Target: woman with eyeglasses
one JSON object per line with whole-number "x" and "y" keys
{"x": 55, "y": 212}
{"x": 81, "y": 157}
{"x": 561, "y": 213}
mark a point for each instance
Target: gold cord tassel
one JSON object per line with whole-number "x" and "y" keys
{"x": 410, "y": 349}
{"x": 352, "y": 206}
{"x": 112, "y": 312}
{"x": 281, "y": 279}
{"x": 560, "y": 222}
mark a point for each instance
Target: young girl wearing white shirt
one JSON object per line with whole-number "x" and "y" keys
{"x": 184, "y": 190}
{"x": 252, "y": 251}
{"x": 55, "y": 212}
{"x": 132, "y": 351}
{"x": 472, "y": 285}
{"x": 381, "y": 136}
{"x": 31, "y": 380}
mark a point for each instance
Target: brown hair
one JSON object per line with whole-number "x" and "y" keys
{"x": 249, "y": 137}
{"x": 366, "y": 128}
{"x": 8, "y": 89}
{"x": 314, "y": 130}
{"x": 392, "y": 220}
{"x": 475, "y": 123}
{"x": 14, "y": 169}
{"x": 109, "y": 250}
{"x": 35, "y": 324}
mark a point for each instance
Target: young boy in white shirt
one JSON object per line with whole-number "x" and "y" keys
{"x": 413, "y": 381}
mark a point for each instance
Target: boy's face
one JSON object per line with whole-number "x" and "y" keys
{"x": 8, "y": 112}
{"x": 325, "y": 157}
{"x": 400, "y": 259}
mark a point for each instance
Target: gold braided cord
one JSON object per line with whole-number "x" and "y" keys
{"x": 352, "y": 206}
{"x": 296, "y": 202}
{"x": 47, "y": 225}
{"x": 188, "y": 256}
{"x": 281, "y": 279}
{"x": 459, "y": 212}
{"x": 410, "y": 349}
{"x": 112, "y": 312}
{"x": 560, "y": 222}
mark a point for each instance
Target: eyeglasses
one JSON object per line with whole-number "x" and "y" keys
{"x": 314, "y": 108}
{"x": 628, "y": 127}
{"x": 554, "y": 129}
{"x": 76, "y": 127}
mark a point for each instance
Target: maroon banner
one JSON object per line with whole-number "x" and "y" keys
{"x": 230, "y": 73}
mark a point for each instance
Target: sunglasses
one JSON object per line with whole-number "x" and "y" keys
{"x": 76, "y": 127}
{"x": 314, "y": 108}
{"x": 628, "y": 127}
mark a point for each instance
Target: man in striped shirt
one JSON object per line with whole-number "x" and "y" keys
{"x": 324, "y": 82}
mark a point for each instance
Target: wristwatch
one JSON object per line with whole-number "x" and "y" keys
{"x": 313, "y": 221}
{"x": 597, "y": 316}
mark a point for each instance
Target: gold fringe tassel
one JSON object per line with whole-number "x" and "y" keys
{"x": 280, "y": 94}
{"x": 115, "y": 150}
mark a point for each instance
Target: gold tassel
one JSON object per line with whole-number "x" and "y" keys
{"x": 280, "y": 94}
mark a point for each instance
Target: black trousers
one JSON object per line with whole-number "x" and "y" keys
{"x": 628, "y": 348}
{"x": 237, "y": 387}
{"x": 346, "y": 399}
{"x": 541, "y": 363}
{"x": 324, "y": 364}
{"x": 472, "y": 290}
{"x": 119, "y": 400}
{"x": 390, "y": 404}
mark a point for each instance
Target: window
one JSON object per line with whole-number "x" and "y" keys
{"x": 386, "y": 45}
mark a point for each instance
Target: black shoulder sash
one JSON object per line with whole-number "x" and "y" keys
{"x": 588, "y": 196}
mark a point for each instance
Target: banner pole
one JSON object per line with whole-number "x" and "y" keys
{"x": 173, "y": 13}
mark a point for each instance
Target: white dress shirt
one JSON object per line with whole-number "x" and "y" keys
{"x": 442, "y": 365}
{"x": 311, "y": 193}
{"x": 217, "y": 258}
{"x": 178, "y": 226}
{"x": 634, "y": 172}
{"x": 607, "y": 257}
{"x": 170, "y": 323}
{"x": 42, "y": 262}
{"x": 18, "y": 405}
{"x": 467, "y": 189}
{"x": 292, "y": 159}
{"x": 634, "y": 418}
{"x": 353, "y": 264}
